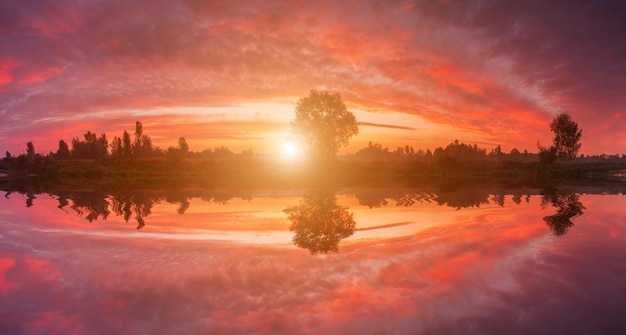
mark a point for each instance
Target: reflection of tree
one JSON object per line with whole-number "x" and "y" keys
{"x": 568, "y": 206}
{"x": 91, "y": 204}
{"x": 452, "y": 198}
{"x": 371, "y": 197}
{"x": 30, "y": 197}
{"x": 319, "y": 223}
{"x": 180, "y": 199}
{"x": 97, "y": 204}
{"x": 465, "y": 198}
{"x": 128, "y": 205}
{"x": 137, "y": 205}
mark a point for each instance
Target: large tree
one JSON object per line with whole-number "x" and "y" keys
{"x": 324, "y": 123}
{"x": 566, "y": 136}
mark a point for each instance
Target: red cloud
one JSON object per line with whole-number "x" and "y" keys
{"x": 459, "y": 64}
{"x": 6, "y": 67}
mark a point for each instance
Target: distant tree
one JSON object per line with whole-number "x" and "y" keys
{"x": 143, "y": 143}
{"x": 126, "y": 145}
{"x": 566, "y": 136}
{"x": 30, "y": 151}
{"x": 92, "y": 147}
{"x": 117, "y": 150}
{"x": 146, "y": 146}
{"x": 324, "y": 123}
{"x": 374, "y": 151}
{"x": 222, "y": 152}
{"x": 546, "y": 155}
{"x": 183, "y": 147}
{"x": 64, "y": 151}
{"x": 496, "y": 152}
{"x": 138, "y": 134}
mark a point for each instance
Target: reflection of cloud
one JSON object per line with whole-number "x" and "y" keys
{"x": 490, "y": 269}
{"x": 260, "y": 288}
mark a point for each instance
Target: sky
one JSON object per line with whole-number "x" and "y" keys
{"x": 419, "y": 73}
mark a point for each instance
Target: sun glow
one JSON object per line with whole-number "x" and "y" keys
{"x": 291, "y": 150}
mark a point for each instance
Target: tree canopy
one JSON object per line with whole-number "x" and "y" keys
{"x": 324, "y": 123}
{"x": 566, "y": 136}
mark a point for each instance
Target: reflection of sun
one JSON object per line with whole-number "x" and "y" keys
{"x": 290, "y": 149}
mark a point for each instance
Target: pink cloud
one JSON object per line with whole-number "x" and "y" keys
{"x": 456, "y": 64}
{"x": 6, "y": 67}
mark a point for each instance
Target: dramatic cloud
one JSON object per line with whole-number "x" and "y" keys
{"x": 482, "y": 71}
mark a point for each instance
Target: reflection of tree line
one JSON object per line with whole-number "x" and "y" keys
{"x": 568, "y": 205}
{"x": 318, "y": 221}
{"x": 455, "y": 199}
{"x": 94, "y": 205}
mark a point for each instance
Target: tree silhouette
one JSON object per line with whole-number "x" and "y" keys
{"x": 30, "y": 151}
{"x": 127, "y": 150}
{"x": 319, "y": 223}
{"x": 324, "y": 123}
{"x": 92, "y": 147}
{"x": 64, "y": 151}
{"x": 183, "y": 147}
{"x": 143, "y": 144}
{"x": 117, "y": 149}
{"x": 566, "y": 136}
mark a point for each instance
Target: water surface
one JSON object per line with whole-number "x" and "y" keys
{"x": 358, "y": 261}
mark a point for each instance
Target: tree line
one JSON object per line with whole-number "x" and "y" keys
{"x": 324, "y": 125}
{"x": 126, "y": 146}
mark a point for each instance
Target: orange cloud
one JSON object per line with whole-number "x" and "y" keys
{"x": 474, "y": 74}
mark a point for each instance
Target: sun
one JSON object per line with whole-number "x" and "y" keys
{"x": 291, "y": 149}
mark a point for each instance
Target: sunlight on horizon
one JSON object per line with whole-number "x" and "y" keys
{"x": 291, "y": 149}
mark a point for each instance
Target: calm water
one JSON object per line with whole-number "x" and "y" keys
{"x": 361, "y": 261}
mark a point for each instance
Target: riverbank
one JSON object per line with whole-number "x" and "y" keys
{"x": 245, "y": 173}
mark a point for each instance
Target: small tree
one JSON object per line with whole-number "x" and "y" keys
{"x": 126, "y": 145}
{"x": 143, "y": 144}
{"x": 324, "y": 123}
{"x": 64, "y": 151}
{"x": 183, "y": 147}
{"x": 566, "y": 136}
{"x": 117, "y": 149}
{"x": 30, "y": 151}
